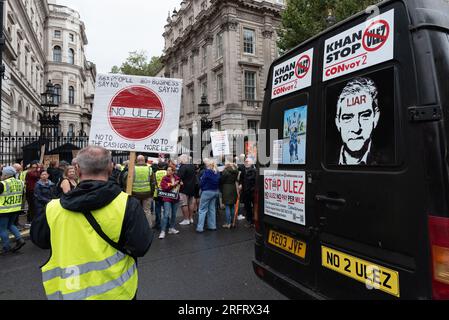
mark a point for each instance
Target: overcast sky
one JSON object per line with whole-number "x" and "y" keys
{"x": 116, "y": 27}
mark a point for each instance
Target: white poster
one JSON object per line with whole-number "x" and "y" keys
{"x": 277, "y": 151}
{"x": 293, "y": 75}
{"x": 134, "y": 113}
{"x": 360, "y": 47}
{"x": 285, "y": 195}
{"x": 220, "y": 143}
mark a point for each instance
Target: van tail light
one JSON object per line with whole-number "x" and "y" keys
{"x": 256, "y": 217}
{"x": 439, "y": 241}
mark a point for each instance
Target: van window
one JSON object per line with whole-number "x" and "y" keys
{"x": 360, "y": 120}
{"x": 289, "y": 117}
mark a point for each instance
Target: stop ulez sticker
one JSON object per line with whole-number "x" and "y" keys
{"x": 136, "y": 113}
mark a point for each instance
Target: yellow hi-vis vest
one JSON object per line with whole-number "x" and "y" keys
{"x": 160, "y": 174}
{"x": 23, "y": 175}
{"x": 142, "y": 179}
{"x": 11, "y": 199}
{"x": 83, "y": 266}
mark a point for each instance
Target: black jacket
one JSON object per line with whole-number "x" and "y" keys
{"x": 136, "y": 236}
{"x": 187, "y": 175}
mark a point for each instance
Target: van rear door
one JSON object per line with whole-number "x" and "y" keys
{"x": 370, "y": 190}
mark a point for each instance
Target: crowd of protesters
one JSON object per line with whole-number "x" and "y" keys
{"x": 162, "y": 188}
{"x": 165, "y": 187}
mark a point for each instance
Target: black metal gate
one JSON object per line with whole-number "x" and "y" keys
{"x": 15, "y": 148}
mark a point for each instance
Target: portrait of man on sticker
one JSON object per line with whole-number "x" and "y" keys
{"x": 357, "y": 117}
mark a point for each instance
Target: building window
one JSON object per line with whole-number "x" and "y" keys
{"x": 191, "y": 20}
{"x": 71, "y": 131}
{"x": 57, "y": 34}
{"x": 192, "y": 98}
{"x": 249, "y": 37}
{"x": 220, "y": 89}
{"x": 72, "y": 37}
{"x": 204, "y": 56}
{"x": 250, "y": 85}
{"x": 219, "y": 45}
{"x": 71, "y": 95}
{"x": 253, "y": 125}
{"x": 192, "y": 66}
{"x": 204, "y": 88}
{"x": 71, "y": 56}
{"x": 57, "y": 54}
{"x": 57, "y": 98}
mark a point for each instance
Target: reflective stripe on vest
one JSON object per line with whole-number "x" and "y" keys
{"x": 142, "y": 179}
{"x": 11, "y": 199}
{"x": 83, "y": 266}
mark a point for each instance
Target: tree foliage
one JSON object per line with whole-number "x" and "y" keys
{"x": 303, "y": 19}
{"x": 137, "y": 64}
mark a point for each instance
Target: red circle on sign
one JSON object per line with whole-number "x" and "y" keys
{"x": 383, "y": 38}
{"x": 136, "y": 113}
{"x": 299, "y": 66}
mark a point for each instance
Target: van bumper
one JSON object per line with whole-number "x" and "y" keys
{"x": 284, "y": 285}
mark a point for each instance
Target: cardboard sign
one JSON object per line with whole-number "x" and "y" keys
{"x": 136, "y": 114}
{"x": 293, "y": 75}
{"x": 360, "y": 47}
{"x": 49, "y": 158}
{"x": 285, "y": 195}
{"x": 220, "y": 143}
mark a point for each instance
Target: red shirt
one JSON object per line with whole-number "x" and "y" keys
{"x": 167, "y": 186}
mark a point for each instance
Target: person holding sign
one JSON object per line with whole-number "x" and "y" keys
{"x": 95, "y": 233}
{"x": 170, "y": 185}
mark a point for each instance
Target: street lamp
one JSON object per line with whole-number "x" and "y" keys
{"x": 2, "y": 66}
{"x": 331, "y": 19}
{"x": 206, "y": 124}
{"x": 48, "y": 120}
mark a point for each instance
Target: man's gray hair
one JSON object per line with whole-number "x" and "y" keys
{"x": 183, "y": 159}
{"x": 94, "y": 160}
{"x": 357, "y": 85}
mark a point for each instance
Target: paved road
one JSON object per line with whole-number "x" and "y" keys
{"x": 188, "y": 266}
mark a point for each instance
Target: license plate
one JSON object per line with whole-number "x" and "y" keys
{"x": 286, "y": 243}
{"x": 373, "y": 275}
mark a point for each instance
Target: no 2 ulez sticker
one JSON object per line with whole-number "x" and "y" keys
{"x": 374, "y": 276}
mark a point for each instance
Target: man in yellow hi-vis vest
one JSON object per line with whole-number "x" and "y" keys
{"x": 11, "y": 200}
{"x": 143, "y": 185}
{"x": 95, "y": 234}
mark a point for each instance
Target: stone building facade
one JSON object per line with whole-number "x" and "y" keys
{"x": 222, "y": 49}
{"x": 33, "y": 29}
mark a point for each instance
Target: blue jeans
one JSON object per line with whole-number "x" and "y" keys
{"x": 170, "y": 211}
{"x": 230, "y": 209}
{"x": 7, "y": 223}
{"x": 158, "y": 204}
{"x": 208, "y": 203}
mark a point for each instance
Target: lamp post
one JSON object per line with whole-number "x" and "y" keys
{"x": 331, "y": 19}
{"x": 2, "y": 66}
{"x": 48, "y": 120}
{"x": 206, "y": 124}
